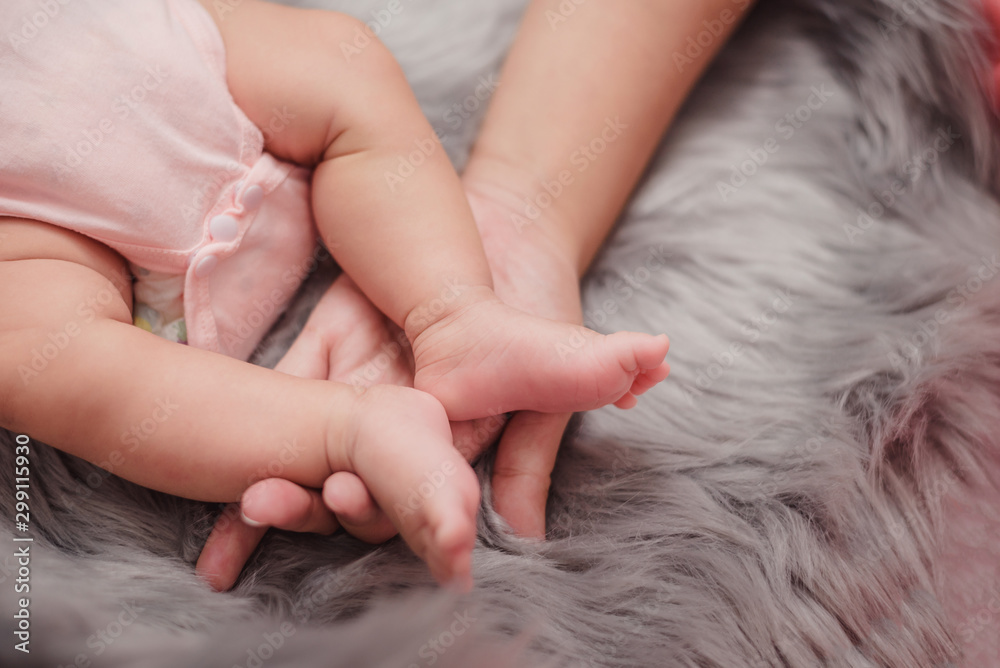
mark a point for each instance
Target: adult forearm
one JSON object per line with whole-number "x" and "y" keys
{"x": 585, "y": 96}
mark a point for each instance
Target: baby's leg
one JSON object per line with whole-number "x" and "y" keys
{"x": 392, "y": 211}
{"x": 201, "y": 425}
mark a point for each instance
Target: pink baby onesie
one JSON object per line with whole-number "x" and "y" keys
{"x": 116, "y": 122}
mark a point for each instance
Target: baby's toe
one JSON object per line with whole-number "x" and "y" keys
{"x": 453, "y": 543}
{"x": 652, "y": 377}
{"x": 627, "y": 401}
{"x": 444, "y": 539}
{"x": 651, "y": 353}
{"x": 639, "y": 351}
{"x": 642, "y": 384}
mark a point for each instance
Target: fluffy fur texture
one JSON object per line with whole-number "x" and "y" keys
{"x": 815, "y": 485}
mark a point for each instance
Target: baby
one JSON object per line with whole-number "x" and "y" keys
{"x": 183, "y": 143}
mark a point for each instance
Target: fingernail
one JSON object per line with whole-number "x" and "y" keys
{"x": 250, "y": 522}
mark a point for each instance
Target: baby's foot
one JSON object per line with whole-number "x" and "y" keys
{"x": 399, "y": 443}
{"x": 486, "y": 358}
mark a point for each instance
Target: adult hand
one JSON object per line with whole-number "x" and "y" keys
{"x": 348, "y": 340}
{"x": 532, "y": 271}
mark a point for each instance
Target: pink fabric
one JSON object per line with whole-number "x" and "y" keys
{"x": 116, "y": 122}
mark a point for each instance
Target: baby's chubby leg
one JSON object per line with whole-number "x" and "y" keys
{"x": 416, "y": 253}
{"x": 391, "y": 209}
{"x": 220, "y": 424}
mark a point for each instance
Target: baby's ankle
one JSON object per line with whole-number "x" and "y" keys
{"x": 454, "y": 298}
{"x": 360, "y": 413}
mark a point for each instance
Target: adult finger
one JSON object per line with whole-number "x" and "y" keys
{"x": 227, "y": 549}
{"x": 307, "y": 357}
{"x": 523, "y": 467}
{"x": 473, "y": 437}
{"x": 236, "y": 534}
{"x": 346, "y": 495}
{"x": 282, "y": 504}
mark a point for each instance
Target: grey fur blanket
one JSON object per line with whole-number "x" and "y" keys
{"x": 815, "y": 484}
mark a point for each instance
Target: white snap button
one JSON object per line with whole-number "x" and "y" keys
{"x": 252, "y": 197}
{"x": 224, "y": 228}
{"x": 206, "y": 266}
